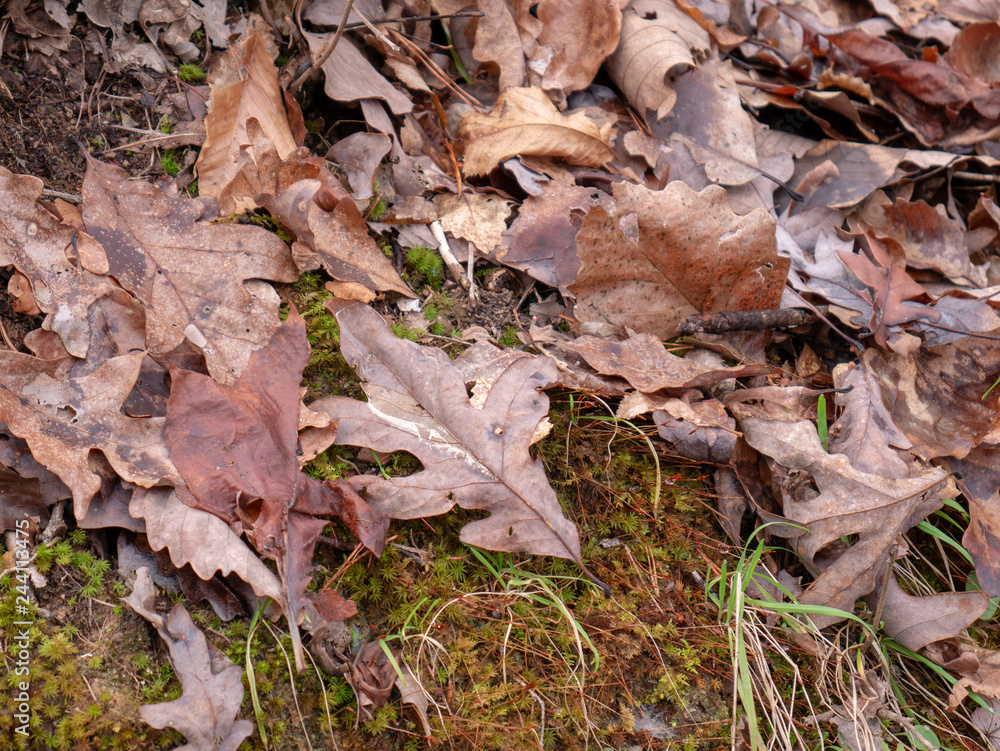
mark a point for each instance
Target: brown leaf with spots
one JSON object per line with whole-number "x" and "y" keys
{"x": 473, "y": 457}
{"x": 35, "y": 242}
{"x": 63, "y": 421}
{"x": 653, "y": 258}
{"x": 236, "y": 448}
{"x": 197, "y": 280}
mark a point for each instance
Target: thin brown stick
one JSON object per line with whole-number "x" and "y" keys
{"x": 436, "y": 70}
{"x": 325, "y": 53}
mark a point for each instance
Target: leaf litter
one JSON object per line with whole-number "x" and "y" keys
{"x": 741, "y": 166}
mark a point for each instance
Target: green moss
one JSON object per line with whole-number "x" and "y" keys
{"x": 191, "y": 73}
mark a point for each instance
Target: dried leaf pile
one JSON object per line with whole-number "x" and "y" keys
{"x": 805, "y": 194}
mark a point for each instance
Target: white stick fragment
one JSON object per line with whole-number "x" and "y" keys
{"x": 455, "y": 270}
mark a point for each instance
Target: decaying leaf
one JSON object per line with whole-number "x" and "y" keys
{"x": 658, "y": 42}
{"x": 348, "y": 76}
{"x": 244, "y": 467}
{"x": 524, "y": 122}
{"x": 656, "y": 257}
{"x": 62, "y": 421}
{"x": 244, "y": 85}
{"x": 34, "y": 241}
{"x": 645, "y": 363}
{"x": 203, "y": 540}
{"x": 580, "y": 35}
{"x": 302, "y": 194}
{"x": 476, "y": 217}
{"x": 196, "y": 280}
{"x": 212, "y": 685}
{"x": 872, "y": 509}
{"x": 474, "y": 458}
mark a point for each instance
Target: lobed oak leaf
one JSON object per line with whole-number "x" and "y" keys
{"x": 203, "y": 540}
{"x": 196, "y": 280}
{"x": 35, "y": 242}
{"x": 212, "y": 686}
{"x": 236, "y": 447}
{"x": 62, "y": 421}
{"x": 870, "y": 508}
{"x": 890, "y": 286}
{"x": 476, "y": 458}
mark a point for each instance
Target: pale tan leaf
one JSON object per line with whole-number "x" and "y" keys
{"x": 476, "y": 217}
{"x": 212, "y": 685}
{"x": 581, "y": 34}
{"x": 525, "y": 122}
{"x": 498, "y": 42}
{"x": 659, "y": 41}
{"x": 244, "y": 84}
{"x": 196, "y": 537}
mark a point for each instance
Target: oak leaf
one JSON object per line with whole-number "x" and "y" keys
{"x": 197, "y": 280}
{"x": 473, "y": 458}
{"x": 850, "y": 503}
{"x": 653, "y": 258}
{"x": 236, "y": 448}
{"x": 35, "y": 242}
{"x": 63, "y": 421}
{"x": 212, "y": 686}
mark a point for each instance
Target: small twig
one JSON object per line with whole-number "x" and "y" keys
{"x": 471, "y": 277}
{"x": 745, "y": 320}
{"x": 436, "y": 70}
{"x": 71, "y": 197}
{"x": 432, "y": 17}
{"x": 6, "y": 339}
{"x": 450, "y": 261}
{"x": 378, "y": 34}
{"x": 325, "y": 53}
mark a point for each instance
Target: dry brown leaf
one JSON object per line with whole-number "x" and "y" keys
{"x": 653, "y": 258}
{"x": 244, "y": 84}
{"x": 645, "y": 363}
{"x": 212, "y": 685}
{"x": 580, "y": 34}
{"x": 525, "y": 122}
{"x": 244, "y": 466}
{"x": 542, "y": 240}
{"x": 872, "y": 509}
{"x": 348, "y": 76}
{"x": 63, "y": 421}
{"x": 203, "y": 540}
{"x": 935, "y": 395}
{"x": 474, "y": 458}
{"x": 359, "y": 156}
{"x": 916, "y": 622}
{"x": 659, "y": 41}
{"x": 699, "y": 430}
{"x": 476, "y": 217}
{"x": 196, "y": 280}
{"x": 35, "y": 242}
{"x": 927, "y": 236}
{"x": 498, "y": 42}
{"x": 865, "y": 432}
{"x": 979, "y": 473}
{"x": 304, "y": 196}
